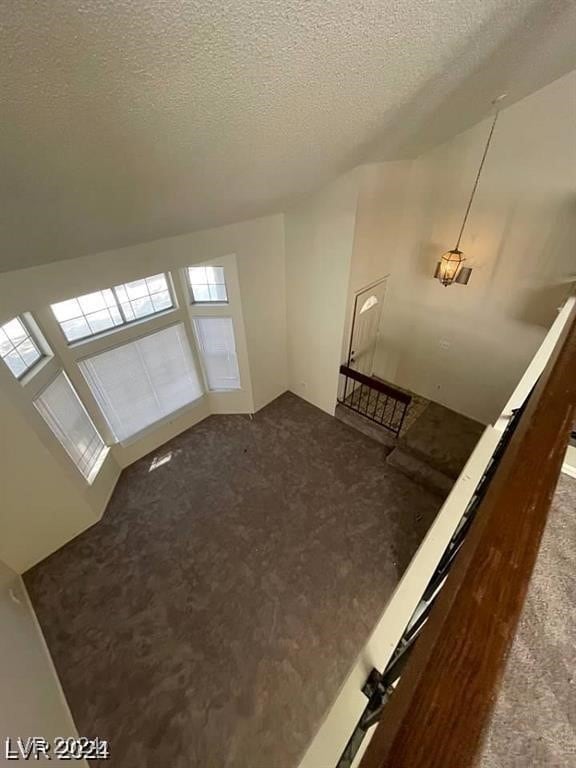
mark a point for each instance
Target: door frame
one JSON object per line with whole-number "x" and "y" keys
{"x": 355, "y": 307}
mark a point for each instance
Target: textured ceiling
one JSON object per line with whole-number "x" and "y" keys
{"x": 129, "y": 120}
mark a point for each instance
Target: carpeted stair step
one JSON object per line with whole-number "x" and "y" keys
{"x": 421, "y": 472}
{"x": 366, "y": 426}
{"x": 442, "y": 439}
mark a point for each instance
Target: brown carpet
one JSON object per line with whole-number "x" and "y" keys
{"x": 442, "y": 438}
{"x": 534, "y": 721}
{"x": 210, "y": 618}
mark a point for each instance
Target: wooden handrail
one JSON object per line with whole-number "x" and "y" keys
{"x": 376, "y": 384}
{"x": 438, "y": 713}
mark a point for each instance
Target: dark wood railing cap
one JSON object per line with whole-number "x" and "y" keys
{"x": 379, "y": 386}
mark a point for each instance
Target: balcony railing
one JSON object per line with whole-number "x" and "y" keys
{"x": 443, "y": 639}
{"x": 380, "y": 686}
{"x": 374, "y": 399}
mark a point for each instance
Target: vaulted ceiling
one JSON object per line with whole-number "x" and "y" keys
{"x": 128, "y": 120}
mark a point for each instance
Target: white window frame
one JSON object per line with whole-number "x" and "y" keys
{"x": 95, "y": 469}
{"x": 239, "y": 400}
{"x": 210, "y": 302}
{"x": 119, "y": 306}
{"x": 202, "y": 352}
{"x": 32, "y": 333}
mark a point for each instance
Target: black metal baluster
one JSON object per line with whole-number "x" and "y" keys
{"x": 345, "y": 388}
{"x": 404, "y": 412}
{"x": 384, "y": 410}
{"x": 375, "y": 405}
{"x": 393, "y": 414}
{"x": 364, "y": 396}
{"x": 359, "y": 401}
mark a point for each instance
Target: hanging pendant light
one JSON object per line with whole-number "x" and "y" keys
{"x": 449, "y": 269}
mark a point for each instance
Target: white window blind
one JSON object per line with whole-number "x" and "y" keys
{"x": 139, "y": 383}
{"x": 218, "y": 350}
{"x": 62, "y": 410}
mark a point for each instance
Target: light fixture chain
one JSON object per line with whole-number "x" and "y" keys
{"x": 486, "y": 148}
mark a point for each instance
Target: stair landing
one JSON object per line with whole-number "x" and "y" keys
{"x": 433, "y": 446}
{"x": 442, "y": 438}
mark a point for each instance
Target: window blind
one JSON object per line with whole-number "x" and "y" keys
{"x": 218, "y": 351}
{"x": 139, "y": 383}
{"x": 62, "y": 410}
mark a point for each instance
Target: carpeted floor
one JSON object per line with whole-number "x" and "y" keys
{"x": 211, "y": 616}
{"x": 442, "y": 438}
{"x": 534, "y": 721}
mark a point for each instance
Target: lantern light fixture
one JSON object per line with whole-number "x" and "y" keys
{"x": 450, "y": 268}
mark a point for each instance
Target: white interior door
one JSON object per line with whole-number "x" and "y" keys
{"x": 365, "y": 326}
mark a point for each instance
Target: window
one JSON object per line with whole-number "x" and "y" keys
{"x": 139, "y": 383}
{"x": 207, "y": 285}
{"x": 141, "y": 298}
{"x": 18, "y": 348}
{"x": 62, "y": 410}
{"x": 87, "y": 315}
{"x": 100, "y": 311}
{"x": 218, "y": 351}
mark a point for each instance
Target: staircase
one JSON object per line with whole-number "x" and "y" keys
{"x": 424, "y": 440}
{"x": 435, "y": 448}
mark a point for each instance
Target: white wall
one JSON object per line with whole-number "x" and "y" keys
{"x": 31, "y": 699}
{"x": 380, "y": 219}
{"x": 259, "y": 248}
{"x": 45, "y": 499}
{"x": 319, "y": 239}
{"x": 569, "y": 466}
{"x": 466, "y": 347}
